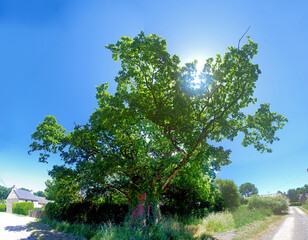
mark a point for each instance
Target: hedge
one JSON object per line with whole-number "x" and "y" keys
{"x": 276, "y": 204}
{"x": 86, "y": 212}
{"x": 2, "y": 207}
{"x": 23, "y": 207}
{"x": 295, "y": 204}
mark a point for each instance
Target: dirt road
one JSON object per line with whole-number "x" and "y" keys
{"x": 293, "y": 227}
{"x": 14, "y": 227}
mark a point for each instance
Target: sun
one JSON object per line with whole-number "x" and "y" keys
{"x": 197, "y": 80}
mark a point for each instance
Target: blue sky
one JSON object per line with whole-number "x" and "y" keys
{"x": 52, "y": 55}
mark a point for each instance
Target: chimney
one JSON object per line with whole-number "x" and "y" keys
{"x": 14, "y": 187}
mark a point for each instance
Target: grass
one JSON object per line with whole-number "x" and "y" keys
{"x": 304, "y": 208}
{"x": 242, "y": 216}
{"x": 243, "y": 222}
{"x": 258, "y": 229}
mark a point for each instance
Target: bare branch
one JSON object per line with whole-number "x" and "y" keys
{"x": 239, "y": 41}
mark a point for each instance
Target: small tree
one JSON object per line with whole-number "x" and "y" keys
{"x": 293, "y": 195}
{"x": 230, "y": 194}
{"x": 248, "y": 189}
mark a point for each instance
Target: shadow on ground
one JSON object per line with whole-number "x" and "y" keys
{"x": 44, "y": 232}
{"x": 18, "y": 228}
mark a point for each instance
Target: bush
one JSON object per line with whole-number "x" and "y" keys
{"x": 295, "y": 204}
{"x": 22, "y": 207}
{"x": 86, "y": 212}
{"x": 230, "y": 194}
{"x": 2, "y": 207}
{"x": 276, "y": 204}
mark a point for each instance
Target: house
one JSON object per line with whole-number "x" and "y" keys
{"x": 303, "y": 198}
{"x": 19, "y": 195}
{"x": 42, "y": 201}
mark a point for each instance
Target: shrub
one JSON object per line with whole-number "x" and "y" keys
{"x": 86, "y": 212}
{"x": 295, "y": 204}
{"x": 22, "y": 207}
{"x": 230, "y": 194}
{"x": 276, "y": 204}
{"x": 2, "y": 207}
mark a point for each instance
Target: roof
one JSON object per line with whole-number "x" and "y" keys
{"x": 25, "y": 195}
{"x": 42, "y": 200}
{"x": 304, "y": 194}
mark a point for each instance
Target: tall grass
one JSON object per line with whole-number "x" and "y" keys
{"x": 243, "y": 216}
{"x": 219, "y": 222}
{"x": 168, "y": 228}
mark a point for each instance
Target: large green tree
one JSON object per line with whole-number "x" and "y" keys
{"x": 248, "y": 189}
{"x": 160, "y": 121}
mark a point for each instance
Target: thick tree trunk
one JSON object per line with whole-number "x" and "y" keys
{"x": 145, "y": 211}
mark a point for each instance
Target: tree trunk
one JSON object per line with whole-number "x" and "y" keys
{"x": 145, "y": 211}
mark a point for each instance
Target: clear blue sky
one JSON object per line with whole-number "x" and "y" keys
{"x": 52, "y": 55}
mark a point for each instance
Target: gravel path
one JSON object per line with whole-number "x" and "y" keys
{"x": 294, "y": 227}
{"x": 14, "y": 227}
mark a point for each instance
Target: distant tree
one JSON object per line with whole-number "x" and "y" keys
{"x": 293, "y": 195}
{"x": 4, "y": 192}
{"x": 248, "y": 189}
{"x": 40, "y": 194}
{"x": 230, "y": 194}
{"x": 25, "y": 189}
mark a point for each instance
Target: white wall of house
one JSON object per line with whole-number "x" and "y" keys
{"x": 12, "y": 195}
{"x": 12, "y": 198}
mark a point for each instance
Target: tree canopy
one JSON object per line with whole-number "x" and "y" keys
{"x": 4, "y": 192}
{"x": 230, "y": 194}
{"x": 248, "y": 189}
{"x": 159, "y": 121}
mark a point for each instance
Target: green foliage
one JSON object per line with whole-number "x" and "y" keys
{"x": 166, "y": 229}
{"x": 219, "y": 222}
{"x": 248, "y": 189}
{"x": 2, "y": 208}
{"x": 22, "y": 207}
{"x": 295, "y": 204}
{"x": 159, "y": 121}
{"x": 64, "y": 188}
{"x": 4, "y": 192}
{"x": 40, "y": 194}
{"x": 230, "y": 194}
{"x": 293, "y": 195}
{"x": 277, "y": 204}
{"x": 187, "y": 195}
{"x": 86, "y": 212}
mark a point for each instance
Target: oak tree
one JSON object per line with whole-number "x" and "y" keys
{"x": 160, "y": 121}
{"x": 248, "y": 189}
